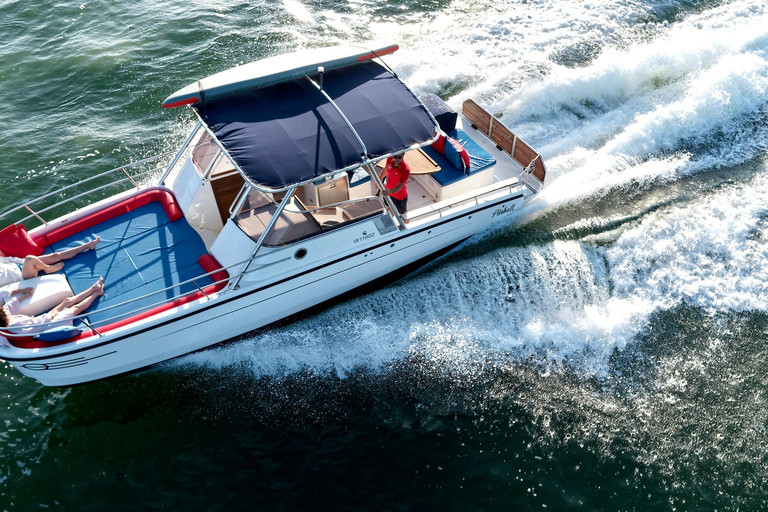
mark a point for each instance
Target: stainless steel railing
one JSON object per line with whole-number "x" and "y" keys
{"x": 339, "y": 205}
{"x": 447, "y": 205}
{"x": 26, "y": 331}
{"x": 34, "y": 211}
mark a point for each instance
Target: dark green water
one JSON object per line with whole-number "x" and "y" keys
{"x": 604, "y": 351}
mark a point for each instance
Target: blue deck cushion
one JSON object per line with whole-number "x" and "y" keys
{"x": 62, "y": 332}
{"x": 448, "y": 173}
{"x": 118, "y": 229}
{"x": 358, "y": 177}
{"x": 456, "y": 154}
{"x": 479, "y": 159}
{"x": 154, "y": 254}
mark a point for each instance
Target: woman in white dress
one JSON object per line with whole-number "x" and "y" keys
{"x": 68, "y": 308}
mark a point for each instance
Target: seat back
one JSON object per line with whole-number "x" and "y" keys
{"x": 333, "y": 191}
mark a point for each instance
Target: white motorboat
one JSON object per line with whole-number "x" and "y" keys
{"x": 271, "y": 206}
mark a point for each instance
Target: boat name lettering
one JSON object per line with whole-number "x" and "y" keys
{"x": 503, "y": 210}
{"x": 365, "y": 236}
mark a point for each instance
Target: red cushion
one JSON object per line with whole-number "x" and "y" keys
{"x": 465, "y": 158}
{"x": 172, "y": 210}
{"x": 439, "y": 144}
{"x": 16, "y": 242}
{"x": 457, "y": 155}
{"x": 210, "y": 264}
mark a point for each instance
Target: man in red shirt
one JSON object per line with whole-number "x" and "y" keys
{"x": 398, "y": 173}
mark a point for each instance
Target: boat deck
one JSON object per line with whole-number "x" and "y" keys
{"x": 485, "y": 157}
{"x": 141, "y": 252}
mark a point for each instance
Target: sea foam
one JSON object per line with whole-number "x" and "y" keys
{"x": 648, "y": 108}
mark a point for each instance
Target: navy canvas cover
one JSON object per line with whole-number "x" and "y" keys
{"x": 445, "y": 116}
{"x": 288, "y": 133}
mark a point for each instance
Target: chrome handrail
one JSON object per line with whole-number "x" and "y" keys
{"x": 214, "y": 161}
{"x": 122, "y": 168}
{"x": 333, "y": 205}
{"x": 83, "y": 194}
{"x": 180, "y": 152}
{"x": 233, "y": 284}
{"x": 448, "y": 204}
{"x": 37, "y": 329}
{"x": 388, "y": 199}
{"x": 239, "y": 199}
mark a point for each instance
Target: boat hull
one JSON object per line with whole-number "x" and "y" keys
{"x": 207, "y": 322}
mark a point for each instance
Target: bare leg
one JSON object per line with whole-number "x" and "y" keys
{"x": 50, "y": 259}
{"x": 33, "y": 265}
{"x": 83, "y": 305}
{"x": 82, "y": 300}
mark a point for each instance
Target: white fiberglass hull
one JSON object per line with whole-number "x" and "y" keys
{"x": 231, "y": 313}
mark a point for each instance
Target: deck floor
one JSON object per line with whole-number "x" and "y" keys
{"x": 140, "y": 252}
{"x": 417, "y": 196}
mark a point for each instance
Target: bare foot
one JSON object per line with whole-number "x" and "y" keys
{"x": 99, "y": 287}
{"x": 92, "y": 244}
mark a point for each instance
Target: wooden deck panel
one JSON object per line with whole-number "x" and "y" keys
{"x": 503, "y": 137}
{"x": 477, "y": 115}
{"x": 523, "y": 153}
{"x": 225, "y": 191}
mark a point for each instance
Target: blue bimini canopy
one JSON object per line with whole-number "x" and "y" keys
{"x": 290, "y": 133}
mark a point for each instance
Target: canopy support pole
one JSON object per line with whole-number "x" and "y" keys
{"x": 287, "y": 199}
{"x": 237, "y": 204}
{"x": 333, "y": 103}
{"x": 181, "y": 152}
{"x": 390, "y": 204}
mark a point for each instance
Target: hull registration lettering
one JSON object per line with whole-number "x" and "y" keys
{"x": 364, "y": 236}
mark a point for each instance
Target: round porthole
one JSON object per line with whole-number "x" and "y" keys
{"x": 300, "y": 253}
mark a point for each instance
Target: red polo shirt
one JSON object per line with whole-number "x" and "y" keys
{"x": 396, "y": 176}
